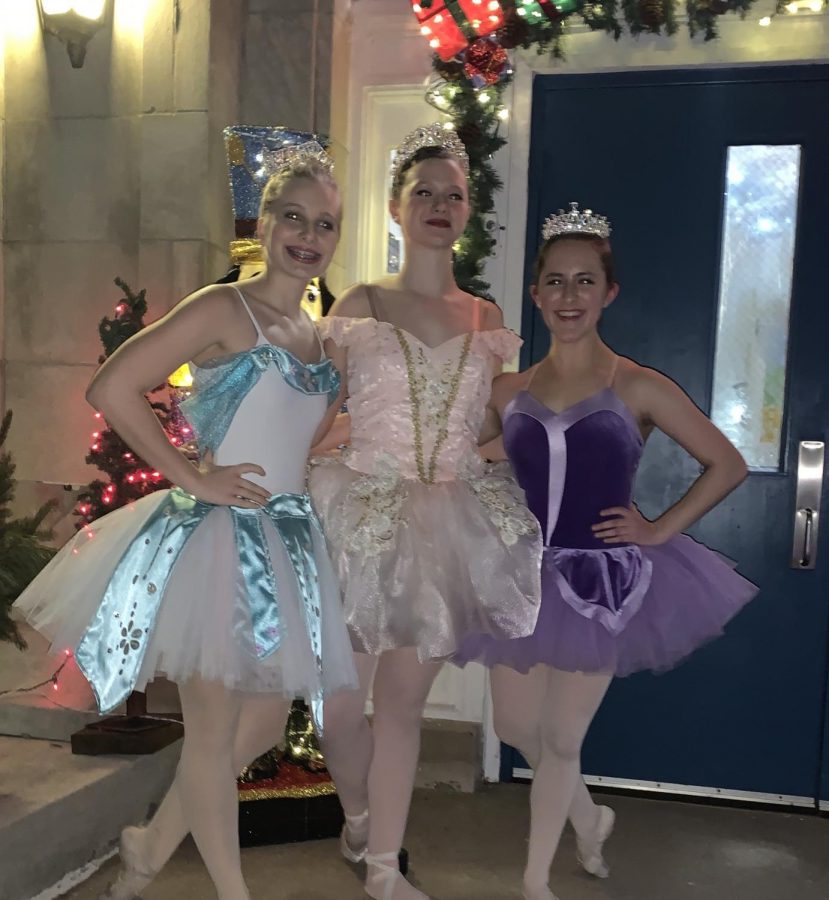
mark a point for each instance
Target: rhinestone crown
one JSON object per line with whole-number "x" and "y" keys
{"x": 274, "y": 161}
{"x": 436, "y": 135}
{"x": 575, "y": 221}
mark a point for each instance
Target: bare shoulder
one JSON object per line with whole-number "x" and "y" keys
{"x": 644, "y": 388}
{"x": 486, "y": 314}
{"x": 352, "y": 303}
{"x": 219, "y": 301}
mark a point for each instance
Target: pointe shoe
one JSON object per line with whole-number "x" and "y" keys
{"x": 386, "y": 882}
{"x": 134, "y": 874}
{"x": 354, "y": 850}
{"x": 589, "y": 847}
{"x": 538, "y": 893}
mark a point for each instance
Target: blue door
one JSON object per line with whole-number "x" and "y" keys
{"x": 655, "y": 152}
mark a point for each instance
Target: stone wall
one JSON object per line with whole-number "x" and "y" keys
{"x": 118, "y": 169}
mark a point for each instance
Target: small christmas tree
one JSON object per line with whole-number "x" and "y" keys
{"x": 23, "y": 548}
{"x": 128, "y": 476}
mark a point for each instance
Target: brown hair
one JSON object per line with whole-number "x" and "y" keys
{"x": 307, "y": 168}
{"x": 602, "y": 246}
{"x": 413, "y": 160}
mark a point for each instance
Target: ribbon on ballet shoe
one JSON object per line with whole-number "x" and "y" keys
{"x": 353, "y": 823}
{"x": 391, "y": 885}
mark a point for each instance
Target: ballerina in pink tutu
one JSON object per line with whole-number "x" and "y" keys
{"x": 619, "y": 593}
{"x": 428, "y": 545}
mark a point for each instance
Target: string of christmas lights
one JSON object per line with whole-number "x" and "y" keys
{"x": 53, "y": 679}
{"x": 472, "y": 69}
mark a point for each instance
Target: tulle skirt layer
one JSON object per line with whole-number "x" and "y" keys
{"x": 425, "y": 565}
{"x": 623, "y": 610}
{"x": 203, "y": 626}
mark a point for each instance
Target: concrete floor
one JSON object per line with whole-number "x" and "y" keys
{"x": 472, "y": 847}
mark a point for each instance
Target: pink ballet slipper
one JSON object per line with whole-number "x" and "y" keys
{"x": 589, "y": 852}
{"x": 134, "y": 874}
{"x": 384, "y": 881}
{"x": 354, "y": 848}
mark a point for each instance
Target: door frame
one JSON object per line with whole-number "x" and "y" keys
{"x": 513, "y": 165}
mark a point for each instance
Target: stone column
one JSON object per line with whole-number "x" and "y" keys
{"x": 286, "y": 65}
{"x": 113, "y": 169}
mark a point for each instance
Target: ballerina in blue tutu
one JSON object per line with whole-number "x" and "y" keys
{"x": 620, "y": 593}
{"x": 222, "y": 583}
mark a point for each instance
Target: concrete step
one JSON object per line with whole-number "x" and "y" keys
{"x": 58, "y": 812}
{"x": 450, "y": 756}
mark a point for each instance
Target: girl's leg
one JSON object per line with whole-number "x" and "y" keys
{"x": 347, "y": 741}
{"x": 401, "y": 686}
{"x": 261, "y": 724}
{"x": 518, "y": 703}
{"x": 570, "y": 702}
{"x": 206, "y": 782}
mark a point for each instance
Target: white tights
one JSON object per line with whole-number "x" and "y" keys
{"x": 374, "y": 766}
{"x": 545, "y": 714}
{"x": 224, "y": 731}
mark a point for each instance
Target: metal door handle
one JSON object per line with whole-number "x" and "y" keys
{"x": 807, "y": 505}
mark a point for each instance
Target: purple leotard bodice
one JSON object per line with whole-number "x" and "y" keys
{"x": 573, "y": 464}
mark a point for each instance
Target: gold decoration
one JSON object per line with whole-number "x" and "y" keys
{"x": 246, "y": 250}
{"x": 235, "y": 150}
{"x": 427, "y": 476}
{"x": 306, "y": 792}
{"x": 301, "y": 744}
{"x": 182, "y": 378}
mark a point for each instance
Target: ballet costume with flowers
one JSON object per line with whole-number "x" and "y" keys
{"x": 429, "y": 543}
{"x": 175, "y": 586}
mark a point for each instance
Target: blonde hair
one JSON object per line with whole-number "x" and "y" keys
{"x": 276, "y": 184}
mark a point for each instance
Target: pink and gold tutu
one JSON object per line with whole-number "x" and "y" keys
{"x": 429, "y": 543}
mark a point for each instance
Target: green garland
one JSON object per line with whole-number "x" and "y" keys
{"x": 476, "y": 112}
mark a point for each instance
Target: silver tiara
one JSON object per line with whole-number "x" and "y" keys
{"x": 437, "y": 135}
{"x": 274, "y": 161}
{"x": 575, "y": 222}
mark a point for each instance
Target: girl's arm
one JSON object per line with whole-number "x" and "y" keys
{"x": 335, "y": 428}
{"x": 146, "y": 360}
{"x": 664, "y": 405}
{"x": 333, "y": 432}
{"x": 504, "y": 388}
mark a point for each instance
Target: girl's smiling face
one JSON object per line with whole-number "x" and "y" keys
{"x": 300, "y": 227}
{"x": 572, "y": 289}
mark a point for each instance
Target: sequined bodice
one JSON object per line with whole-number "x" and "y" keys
{"x": 417, "y": 410}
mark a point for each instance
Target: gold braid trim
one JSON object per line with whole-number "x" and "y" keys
{"x": 428, "y": 476}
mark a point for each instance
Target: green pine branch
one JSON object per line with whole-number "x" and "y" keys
{"x": 477, "y": 124}
{"x": 24, "y": 548}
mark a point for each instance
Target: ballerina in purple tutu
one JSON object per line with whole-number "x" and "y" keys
{"x": 621, "y": 593}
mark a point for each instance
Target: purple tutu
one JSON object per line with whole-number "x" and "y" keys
{"x": 604, "y": 608}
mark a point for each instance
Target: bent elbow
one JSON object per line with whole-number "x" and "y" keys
{"x": 93, "y": 395}
{"x": 739, "y": 469}
{"x": 98, "y": 393}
